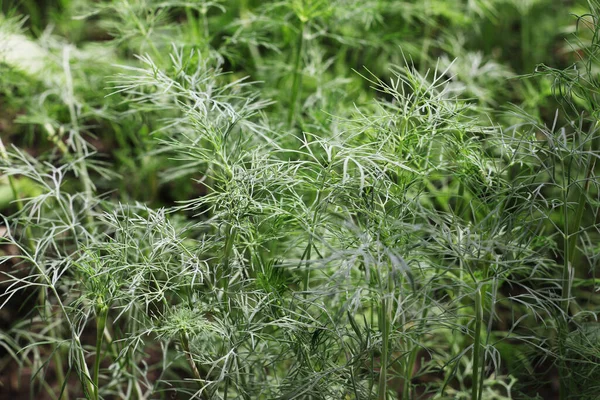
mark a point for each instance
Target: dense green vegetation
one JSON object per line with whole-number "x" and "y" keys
{"x": 299, "y": 199}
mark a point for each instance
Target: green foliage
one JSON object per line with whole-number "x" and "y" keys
{"x": 300, "y": 199}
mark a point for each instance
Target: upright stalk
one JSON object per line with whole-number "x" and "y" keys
{"x": 477, "y": 346}
{"x": 384, "y": 359}
{"x": 297, "y": 82}
{"x": 412, "y": 359}
{"x": 228, "y": 251}
{"x": 493, "y": 293}
{"x": 570, "y": 236}
{"x": 562, "y": 323}
{"x": 461, "y": 204}
{"x": 581, "y": 204}
{"x": 307, "y": 255}
{"x": 185, "y": 345}
{"x": 102, "y": 315}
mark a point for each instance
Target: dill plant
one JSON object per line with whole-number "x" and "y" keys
{"x": 331, "y": 246}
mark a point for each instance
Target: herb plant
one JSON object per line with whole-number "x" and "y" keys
{"x": 301, "y": 199}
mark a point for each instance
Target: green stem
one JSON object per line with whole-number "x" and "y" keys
{"x": 85, "y": 377}
{"x": 477, "y": 345}
{"x": 412, "y": 359}
{"x": 384, "y": 329}
{"x": 185, "y": 345}
{"x": 372, "y": 306}
{"x": 102, "y": 315}
{"x": 484, "y": 292}
{"x": 570, "y": 237}
{"x": 565, "y": 288}
{"x": 229, "y": 240}
{"x": 306, "y": 256}
{"x": 307, "y": 267}
{"x": 297, "y": 82}
{"x": 581, "y": 203}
